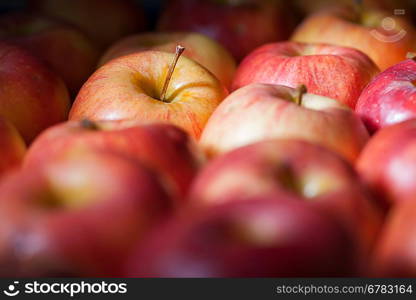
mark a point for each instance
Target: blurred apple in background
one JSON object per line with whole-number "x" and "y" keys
{"x": 66, "y": 50}
{"x": 302, "y": 170}
{"x": 388, "y": 162}
{"x": 262, "y": 237}
{"x": 395, "y": 255}
{"x": 262, "y": 111}
{"x": 165, "y": 149}
{"x": 132, "y": 87}
{"x": 332, "y": 71}
{"x": 390, "y": 98}
{"x": 32, "y": 96}
{"x": 307, "y": 6}
{"x": 78, "y": 216}
{"x": 383, "y": 36}
{"x": 240, "y": 25}
{"x": 199, "y": 47}
{"x": 12, "y": 147}
{"x": 104, "y": 21}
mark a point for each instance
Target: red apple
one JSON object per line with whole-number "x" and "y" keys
{"x": 390, "y": 98}
{"x": 388, "y": 162}
{"x": 240, "y": 25}
{"x": 199, "y": 47}
{"x": 104, "y": 21}
{"x": 146, "y": 86}
{"x": 78, "y": 216}
{"x": 261, "y": 111}
{"x": 66, "y": 50}
{"x": 335, "y": 72}
{"x": 12, "y": 147}
{"x": 32, "y": 96}
{"x": 395, "y": 255}
{"x": 384, "y": 37}
{"x": 163, "y": 148}
{"x": 262, "y": 237}
{"x": 304, "y": 171}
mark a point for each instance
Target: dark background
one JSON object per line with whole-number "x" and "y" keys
{"x": 152, "y": 7}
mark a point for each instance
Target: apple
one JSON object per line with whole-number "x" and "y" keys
{"x": 332, "y": 71}
{"x": 151, "y": 86}
{"x": 66, "y": 50}
{"x": 262, "y": 237}
{"x": 32, "y": 96}
{"x": 390, "y": 98}
{"x": 388, "y": 163}
{"x": 395, "y": 255}
{"x": 384, "y": 37}
{"x": 240, "y": 25}
{"x": 104, "y": 21}
{"x": 263, "y": 111}
{"x": 164, "y": 148}
{"x": 308, "y": 7}
{"x": 78, "y": 216}
{"x": 12, "y": 147}
{"x": 199, "y": 47}
{"x": 304, "y": 171}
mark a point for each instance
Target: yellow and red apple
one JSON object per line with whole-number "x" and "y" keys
{"x": 140, "y": 87}
{"x": 199, "y": 47}
{"x": 260, "y": 112}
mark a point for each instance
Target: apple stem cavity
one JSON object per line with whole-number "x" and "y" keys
{"x": 359, "y": 8}
{"x": 411, "y": 55}
{"x": 88, "y": 124}
{"x": 299, "y": 92}
{"x": 179, "y": 50}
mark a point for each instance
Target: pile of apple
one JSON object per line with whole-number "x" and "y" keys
{"x": 245, "y": 138}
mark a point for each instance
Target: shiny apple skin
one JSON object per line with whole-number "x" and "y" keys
{"x": 79, "y": 216}
{"x": 304, "y": 171}
{"x": 395, "y": 255}
{"x": 262, "y": 237}
{"x": 390, "y": 98}
{"x": 261, "y": 111}
{"x": 129, "y": 88}
{"x": 12, "y": 147}
{"x": 388, "y": 162}
{"x": 32, "y": 96}
{"x": 240, "y": 27}
{"x": 199, "y": 47}
{"x": 165, "y": 149}
{"x": 63, "y": 47}
{"x": 332, "y": 71}
{"x": 104, "y": 21}
{"x": 344, "y": 26}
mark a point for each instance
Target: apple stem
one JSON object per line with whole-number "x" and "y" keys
{"x": 178, "y": 53}
{"x": 300, "y": 91}
{"x": 88, "y": 124}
